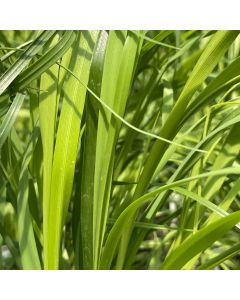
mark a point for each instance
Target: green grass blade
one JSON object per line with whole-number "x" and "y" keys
{"x": 7, "y": 78}
{"x": 29, "y": 254}
{"x": 159, "y": 37}
{"x": 67, "y": 143}
{"x": 85, "y": 229}
{"x": 18, "y": 48}
{"x": 217, "y": 260}
{"x": 122, "y": 59}
{"x": 199, "y": 242}
{"x": 201, "y": 200}
{"x": 226, "y": 157}
{"x": 48, "y": 107}
{"x": 45, "y": 62}
{"x": 10, "y": 118}
{"x": 228, "y": 77}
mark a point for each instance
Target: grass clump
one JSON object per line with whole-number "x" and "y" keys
{"x": 119, "y": 149}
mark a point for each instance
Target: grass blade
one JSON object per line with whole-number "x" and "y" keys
{"x": 199, "y": 242}
{"x": 7, "y": 78}
{"x": 29, "y": 254}
{"x": 10, "y": 118}
{"x": 67, "y": 140}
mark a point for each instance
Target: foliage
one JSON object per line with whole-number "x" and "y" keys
{"x": 119, "y": 149}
